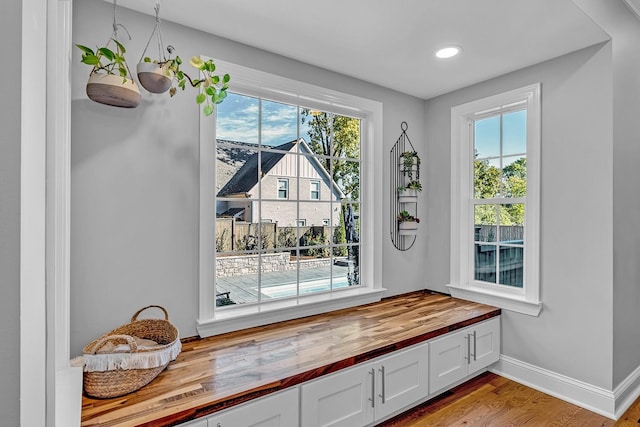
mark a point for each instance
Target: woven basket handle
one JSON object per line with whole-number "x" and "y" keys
{"x": 114, "y": 340}
{"x": 137, "y": 313}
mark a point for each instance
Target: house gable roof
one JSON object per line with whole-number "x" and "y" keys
{"x": 247, "y": 176}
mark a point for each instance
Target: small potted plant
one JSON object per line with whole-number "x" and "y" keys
{"x": 409, "y": 193}
{"x": 410, "y": 165}
{"x": 407, "y": 224}
{"x": 110, "y": 80}
{"x": 156, "y": 77}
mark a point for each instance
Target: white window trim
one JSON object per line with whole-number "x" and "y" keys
{"x": 286, "y": 181}
{"x": 527, "y": 300}
{"x": 311, "y": 184}
{"x": 252, "y": 82}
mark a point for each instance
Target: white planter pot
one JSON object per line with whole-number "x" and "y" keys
{"x": 110, "y": 89}
{"x": 153, "y": 77}
{"x": 408, "y": 228}
{"x": 408, "y": 196}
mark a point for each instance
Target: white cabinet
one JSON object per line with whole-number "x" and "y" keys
{"x": 459, "y": 354}
{"x": 369, "y": 392}
{"x": 363, "y": 394}
{"x": 343, "y": 399}
{"x": 276, "y": 410}
{"x": 197, "y": 423}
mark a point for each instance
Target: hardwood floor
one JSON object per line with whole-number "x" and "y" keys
{"x": 493, "y": 401}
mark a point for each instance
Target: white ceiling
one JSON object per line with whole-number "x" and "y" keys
{"x": 391, "y": 43}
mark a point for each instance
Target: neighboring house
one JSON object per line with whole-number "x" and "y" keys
{"x": 279, "y": 187}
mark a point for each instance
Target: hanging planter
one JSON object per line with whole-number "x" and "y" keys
{"x": 110, "y": 81}
{"x": 113, "y": 90}
{"x": 157, "y": 75}
{"x": 154, "y": 77}
{"x": 164, "y": 73}
{"x": 407, "y": 224}
{"x": 409, "y": 194}
{"x": 408, "y": 228}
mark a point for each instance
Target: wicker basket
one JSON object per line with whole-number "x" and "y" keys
{"x": 119, "y": 372}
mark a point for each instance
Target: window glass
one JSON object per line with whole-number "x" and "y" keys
{"x": 315, "y": 190}
{"x": 514, "y": 129}
{"x": 487, "y": 137}
{"x": 288, "y": 220}
{"x": 499, "y": 176}
{"x": 278, "y": 125}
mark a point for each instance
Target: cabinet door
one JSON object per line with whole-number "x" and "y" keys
{"x": 402, "y": 380}
{"x": 343, "y": 399}
{"x": 448, "y": 360}
{"x": 485, "y": 347}
{"x": 278, "y": 410}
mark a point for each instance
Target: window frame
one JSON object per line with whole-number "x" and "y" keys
{"x": 462, "y": 285}
{"x": 311, "y": 190}
{"x": 251, "y": 82}
{"x": 286, "y": 189}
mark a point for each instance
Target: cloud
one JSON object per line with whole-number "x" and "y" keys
{"x": 238, "y": 120}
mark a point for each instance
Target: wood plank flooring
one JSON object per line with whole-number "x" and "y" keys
{"x": 493, "y": 401}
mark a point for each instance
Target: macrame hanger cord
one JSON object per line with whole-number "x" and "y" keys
{"x": 116, "y": 25}
{"x": 114, "y": 36}
{"x": 155, "y": 28}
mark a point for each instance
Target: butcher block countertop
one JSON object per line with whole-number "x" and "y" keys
{"x": 218, "y": 372}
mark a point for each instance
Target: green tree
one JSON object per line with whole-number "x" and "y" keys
{"x": 337, "y": 136}
{"x": 486, "y": 182}
{"x": 515, "y": 185}
{"x": 340, "y": 236}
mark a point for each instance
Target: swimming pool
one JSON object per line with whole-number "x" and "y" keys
{"x": 307, "y": 287}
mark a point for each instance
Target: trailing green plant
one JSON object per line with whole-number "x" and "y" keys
{"x": 405, "y": 216}
{"x": 408, "y": 163}
{"x": 214, "y": 87}
{"x": 106, "y": 60}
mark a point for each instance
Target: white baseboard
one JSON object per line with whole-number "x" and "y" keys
{"x": 627, "y": 392}
{"x": 593, "y": 398}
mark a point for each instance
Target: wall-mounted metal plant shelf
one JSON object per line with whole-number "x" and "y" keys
{"x": 405, "y": 186}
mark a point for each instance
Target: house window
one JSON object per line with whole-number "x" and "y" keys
{"x": 279, "y": 144}
{"x": 283, "y": 189}
{"x": 326, "y": 222}
{"x": 315, "y": 190}
{"x": 495, "y": 200}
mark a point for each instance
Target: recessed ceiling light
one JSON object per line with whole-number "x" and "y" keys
{"x": 448, "y": 52}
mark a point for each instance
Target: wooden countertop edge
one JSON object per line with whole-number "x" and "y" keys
{"x": 225, "y": 402}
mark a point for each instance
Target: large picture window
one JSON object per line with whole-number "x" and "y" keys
{"x": 288, "y": 207}
{"x": 495, "y": 174}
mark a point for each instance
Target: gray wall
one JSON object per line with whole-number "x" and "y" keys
{"x": 624, "y": 28}
{"x": 10, "y": 29}
{"x": 134, "y": 181}
{"x": 573, "y": 334}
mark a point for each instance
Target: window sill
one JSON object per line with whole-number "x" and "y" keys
{"x": 242, "y": 317}
{"x": 506, "y": 302}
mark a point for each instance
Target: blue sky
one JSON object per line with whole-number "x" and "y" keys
{"x": 514, "y": 135}
{"x": 238, "y": 120}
